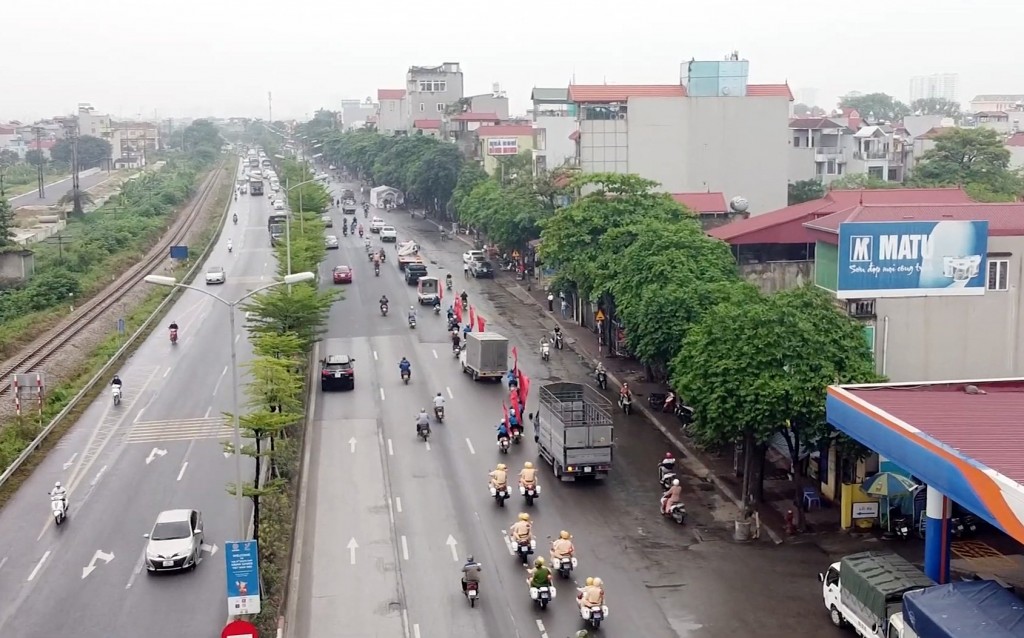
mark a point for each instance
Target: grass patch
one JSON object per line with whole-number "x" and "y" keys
{"x": 18, "y": 433}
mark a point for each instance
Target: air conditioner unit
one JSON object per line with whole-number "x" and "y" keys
{"x": 620, "y": 116}
{"x": 726, "y": 90}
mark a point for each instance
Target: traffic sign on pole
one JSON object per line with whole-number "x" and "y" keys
{"x": 240, "y": 629}
{"x": 243, "y": 571}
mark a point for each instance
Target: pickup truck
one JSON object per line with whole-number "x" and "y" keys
{"x": 408, "y": 253}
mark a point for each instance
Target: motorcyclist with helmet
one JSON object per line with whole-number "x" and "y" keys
{"x": 405, "y": 368}
{"x": 528, "y": 476}
{"x": 59, "y": 493}
{"x": 471, "y": 572}
{"x": 422, "y": 421}
{"x": 521, "y": 531}
{"x": 591, "y": 594}
{"x": 672, "y": 496}
{"x": 562, "y": 547}
{"x": 499, "y": 477}
{"x": 540, "y": 575}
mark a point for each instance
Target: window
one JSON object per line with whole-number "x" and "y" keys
{"x": 391, "y": 106}
{"x": 433, "y": 86}
{"x": 440, "y": 107}
{"x": 422, "y": 107}
{"x": 998, "y": 274}
{"x": 796, "y": 141}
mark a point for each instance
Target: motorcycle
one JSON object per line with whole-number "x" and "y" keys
{"x": 677, "y": 512}
{"x": 230, "y": 248}
{"x": 901, "y": 527}
{"x": 376, "y": 271}
{"x": 448, "y": 284}
{"x": 472, "y": 592}
{"x": 174, "y": 336}
{"x": 499, "y": 496}
{"x": 666, "y": 474}
{"x": 564, "y": 566}
{"x": 384, "y": 310}
{"x": 59, "y": 509}
{"x": 412, "y": 322}
{"x": 439, "y": 413}
{"x": 593, "y": 615}
{"x": 558, "y": 340}
{"x": 453, "y": 324}
{"x": 530, "y": 493}
{"x": 523, "y": 549}
{"x": 116, "y": 394}
{"x": 405, "y": 376}
{"x": 970, "y": 524}
{"x": 542, "y": 595}
{"x": 503, "y": 445}
{"x": 626, "y": 403}
{"x": 437, "y": 308}
{"x": 234, "y": 218}
{"x": 517, "y": 434}
{"x": 602, "y": 379}
{"x": 344, "y": 230}
{"x": 545, "y": 351}
{"x": 423, "y": 431}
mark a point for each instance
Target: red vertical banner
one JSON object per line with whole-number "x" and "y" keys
{"x": 458, "y": 310}
{"x": 472, "y": 316}
{"x": 515, "y": 360}
{"x": 517, "y": 404}
{"x": 481, "y": 323}
{"x": 524, "y": 386}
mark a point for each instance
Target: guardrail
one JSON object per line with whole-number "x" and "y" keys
{"x": 157, "y": 312}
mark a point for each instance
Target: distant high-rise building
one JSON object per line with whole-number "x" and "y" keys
{"x": 807, "y": 95}
{"x": 942, "y": 85}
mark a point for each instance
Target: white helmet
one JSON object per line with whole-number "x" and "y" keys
{"x": 412, "y": 307}
{"x": 56, "y": 485}
{"x": 675, "y": 481}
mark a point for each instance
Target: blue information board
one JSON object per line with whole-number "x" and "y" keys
{"x": 243, "y": 575}
{"x": 179, "y": 253}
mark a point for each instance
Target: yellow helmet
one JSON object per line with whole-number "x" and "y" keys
{"x": 528, "y": 465}
{"x": 524, "y": 516}
{"x": 502, "y": 466}
{"x": 590, "y": 581}
{"x": 598, "y": 582}
{"x": 539, "y": 562}
{"x": 564, "y": 534}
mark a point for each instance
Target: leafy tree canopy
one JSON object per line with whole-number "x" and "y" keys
{"x": 935, "y": 106}
{"x": 301, "y": 311}
{"x": 857, "y": 181}
{"x": 35, "y": 157}
{"x": 508, "y": 216}
{"x": 969, "y": 156}
{"x": 92, "y": 151}
{"x": 803, "y": 110}
{"x": 875, "y": 107}
{"x": 805, "y": 190}
{"x": 6, "y": 222}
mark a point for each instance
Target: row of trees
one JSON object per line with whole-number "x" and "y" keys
{"x": 283, "y": 324}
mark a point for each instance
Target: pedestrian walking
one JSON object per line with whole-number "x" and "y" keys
{"x": 465, "y": 270}
{"x": 565, "y": 309}
{"x": 551, "y": 302}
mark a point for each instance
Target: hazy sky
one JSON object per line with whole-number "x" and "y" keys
{"x": 220, "y": 57}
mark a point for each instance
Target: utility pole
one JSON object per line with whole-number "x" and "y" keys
{"x": 61, "y": 240}
{"x": 71, "y": 126}
{"x": 40, "y": 183}
{"x": 270, "y": 108}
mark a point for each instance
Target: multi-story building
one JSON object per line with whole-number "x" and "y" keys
{"x": 997, "y": 102}
{"x": 356, "y": 113}
{"x": 494, "y": 102}
{"x": 503, "y": 140}
{"x": 937, "y": 85}
{"x": 92, "y": 123}
{"x": 826, "y": 148}
{"x": 430, "y": 91}
{"x": 391, "y": 111}
{"x": 554, "y": 124}
{"x": 132, "y": 142}
{"x": 712, "y": 131}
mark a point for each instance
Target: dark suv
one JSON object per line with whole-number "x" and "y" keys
{"x": 336, "y": 372}
{"x": 482, "y": 270}
{"x": 413, "y": 272}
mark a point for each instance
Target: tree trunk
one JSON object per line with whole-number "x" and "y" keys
{"x": 758, "y": 479}
{"x": 798, "y": 479}
{"x": 256, "y": 498}
{"x": 748, "y": 461}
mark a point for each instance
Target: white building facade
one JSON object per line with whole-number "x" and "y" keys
{"x": 937, "y": 85}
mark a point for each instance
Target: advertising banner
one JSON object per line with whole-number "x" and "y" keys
{"x": 912, "y": 259}
{"x": 502, "y": 146}
{"x": 243, "y": 563}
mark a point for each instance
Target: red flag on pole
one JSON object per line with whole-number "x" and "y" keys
{"x": 504, "y": 416}
{"x": 513, "y": 397}
{"x": 458, "y": 310}
{"x": 515, "y": 360}
{"x": 472, "y": 316}
{"x": 524, "y": 386}
{"x": 481, "y": 323}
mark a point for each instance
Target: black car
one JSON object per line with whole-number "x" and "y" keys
{"x": 413, "y": 272}
{"x": 336, "y": 371}
{"x": 482, "y": 270}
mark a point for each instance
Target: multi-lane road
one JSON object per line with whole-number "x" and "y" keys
{"x": 388, "y": 519}
{"x": 160, "y": 449}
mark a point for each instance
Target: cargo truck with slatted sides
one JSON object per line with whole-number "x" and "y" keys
{"x": 574, "y": 431}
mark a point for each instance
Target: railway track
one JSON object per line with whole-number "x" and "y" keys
{"x": 36, "y": 356}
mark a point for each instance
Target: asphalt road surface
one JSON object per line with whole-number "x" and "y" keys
{"x": 160, "y": 449}
{"x": 390, "y": 519}
{"x": 57, "y": 190}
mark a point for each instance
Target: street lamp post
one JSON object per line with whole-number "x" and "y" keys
{"x": 160, "y": 280}
{"x": 287, "y": 220}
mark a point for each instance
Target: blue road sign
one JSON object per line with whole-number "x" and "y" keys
{"x": 243, "y": 571}
{"x": 179, "y": 252}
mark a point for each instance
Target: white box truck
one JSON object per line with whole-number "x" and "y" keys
{"x": 485, "y": 356}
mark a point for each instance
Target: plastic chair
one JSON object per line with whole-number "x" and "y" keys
{"x": 811, "y": 499}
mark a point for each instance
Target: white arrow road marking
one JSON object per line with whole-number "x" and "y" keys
{"x": 352, "y": 547}
{"x": 352, "y": 445}
{"x": 153, "y": 454}
{"x": 39, "y": 565}
{"x": 451, "y": 543}
{"x": 209, "y": 549}
{"x": 71, "y": 461}
{"x": 99, "y": 555}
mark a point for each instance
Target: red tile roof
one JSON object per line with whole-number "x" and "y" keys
{"x": 476, "y": 117}
{"x": 984, "y": 427}
{"x": 574, "y": 136}
{"x": 1004, "y": 219}
{"x": 769, "y": 90}
{"x": 786, "y": 225}
{"x": 813, "y": 123}
{"x": 427, "y": 124}
{"x": 604, "y": 93}
{"x": 702, "y": 202}
{"x": 390, "y": 94}
{"x": 505, "y": 130}
{"x": 934, "y": 132}
{"x": 1017, "y": 139}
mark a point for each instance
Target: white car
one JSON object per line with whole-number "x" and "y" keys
{"x": 376, "y": 224}
{"x": 472, "y": 255}
{"x": 278, "y": 204}
{"x": 215, "y": 275}
{"x": 388, "y": 233}
{"x": 331, "y": 242}
{"x": 176, "y": 541}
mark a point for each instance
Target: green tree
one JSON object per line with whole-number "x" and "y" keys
{"x": 510, "y": 217}
{"x": 432, "y": 178}
{"x": 936, "y": 106}
{"x": 803, "y": 110}
{"x": 35, "y": 157}
{"x": 202, "y": 133}
{"x": 92, "y": 151}
{"x": 860, "y": 181}
{"x": 875, "y": 107}
{"x": 68, "y": 199}
{"x": 302, "y": 311}
{"x": 805, "y": 190}
{"x": 760, "y": 368}
{"x": 470, "y": 175}
{"x": 7, "y": 223}
{"x": 969, "y": 156}
{"x": 8, "y": 157}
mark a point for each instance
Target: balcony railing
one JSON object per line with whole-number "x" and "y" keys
{"x": 874, "y": 155}
{"x": 831, "y": 151}
{"x": 861, "y": 308}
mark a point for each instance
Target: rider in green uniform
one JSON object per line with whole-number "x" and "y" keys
{"x": 540, "y": 575}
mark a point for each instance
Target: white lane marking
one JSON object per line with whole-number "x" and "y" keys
{"x": 167, "y": 372}
{"x": 71, "y": 461}
{"x": 3, "y": 562}
{"x": 98, "y": 475}
{"x": 405, "y": 622}
{"x": 540, "y": 628}
{"x": 416, "y": 630}
{"x": 375, "y": 355}
{"x": 182, "y": 472}
{"x": 450, "y": 395}
{"x": 382, "y": 394}
{"x": 139, "y": 415}
{"x": 435, "y": 353}
{"x": 39, "y": 565}
{"x": 237, "y": 338}
{"x": 391, "y": 448}
{"x": 427, "y": 443}
{"x": 217, "y": 387}
{"x": 398, "y": 507}
{"x": 208, "y": 411}
{"x": 470, "y": 444}
{"x": 405, "y": 549}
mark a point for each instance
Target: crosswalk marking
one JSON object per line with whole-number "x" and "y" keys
{"x": 179, "y": 430}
